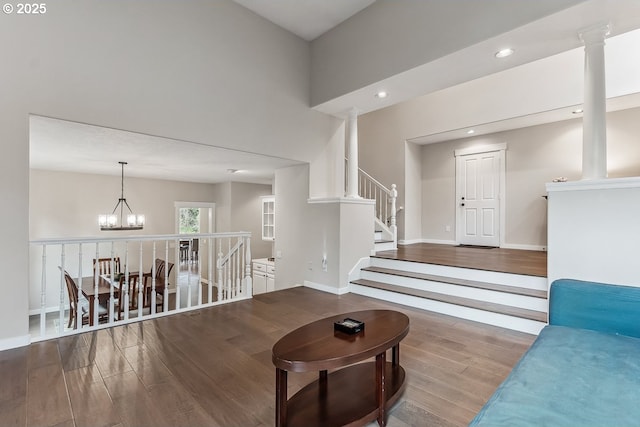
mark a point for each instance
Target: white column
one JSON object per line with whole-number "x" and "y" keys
{"x": 352, "y": 173}
{"x": 594, "y": 127}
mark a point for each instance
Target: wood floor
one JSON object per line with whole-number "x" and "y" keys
{"x": 212, "y": 367}
{"x": 531, "y": 263}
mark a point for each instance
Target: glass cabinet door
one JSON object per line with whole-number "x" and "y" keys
{"x": 268, "y": 218}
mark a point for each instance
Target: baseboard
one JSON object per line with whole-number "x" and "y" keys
{"x": 453, "y": 243}
{"x": 52, "y": 309}
{"x": 14, "y": 342}
{"x": 326, "y": 288}
{"x": 524, "y": 247}
{"x": 439, "y": 242}
{"x": 409, "y": 241}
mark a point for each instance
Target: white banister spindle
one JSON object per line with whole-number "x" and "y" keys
{"x": 394, "y": 196}
{"x": 220, "y": 272}
{"x": 96, "y": 277}
{"x": 141, "y": 296}
{"x": 62, "y": 288}
{"x": 126, "y": 300}
{"x": 165, "y": 296}
{"x": 79, "y": 282}
{"x": 43, "y": 293}
{"x": 189, "y": 261}
{"x": 112, "y": 301}
{"x": 153, "y": 278}
{"x": 247, "y": 268}
{"x": 210, "y": 246}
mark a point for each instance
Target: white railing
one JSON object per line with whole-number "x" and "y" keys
{"x": 370, "y": 188}
{"x": 219, "y": 272}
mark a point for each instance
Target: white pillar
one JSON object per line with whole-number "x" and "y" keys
{"x": 352, "y": 173}
{"x": 594, "y": 126}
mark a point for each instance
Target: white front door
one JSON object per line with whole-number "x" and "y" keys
{"x": 478, "y": 197}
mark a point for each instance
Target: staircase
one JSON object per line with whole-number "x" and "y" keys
{"x": 386, "y": 231}
{"x": 506, "y": 300}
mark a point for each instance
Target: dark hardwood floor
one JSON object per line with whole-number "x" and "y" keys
{"x": 531, "y": 263}
{"x": 212, "y": 367}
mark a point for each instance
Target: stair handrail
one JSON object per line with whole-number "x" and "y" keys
{"x": 385, "y": 202}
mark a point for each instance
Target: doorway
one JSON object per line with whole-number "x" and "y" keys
{"x": 194, "y": 254}
{"x": 480, "y": 188}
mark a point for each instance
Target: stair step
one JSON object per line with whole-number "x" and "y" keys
{"x": 383, "y": 241}
{"x": 465, "y": 302}
{"x": 536, "y": 293}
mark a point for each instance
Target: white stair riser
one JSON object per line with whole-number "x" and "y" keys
{"x": 530, "y": 282}
{"x": 384, "y": 246}
{"x": 377, "y": 235}
{"x": 490, "y": 318}
{"x": 521, "y": 301}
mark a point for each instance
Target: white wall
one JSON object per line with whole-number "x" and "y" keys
{"x": 209, "y": 72}
{"x": 246, "y": 215}
{"x": 535, "y": 155}
{"x": 308, "y": 230}
{"x": 593, "y": 231}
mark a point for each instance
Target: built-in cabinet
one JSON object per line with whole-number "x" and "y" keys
{"x": 268, "y": 218}
{"x": 264, "y": 276}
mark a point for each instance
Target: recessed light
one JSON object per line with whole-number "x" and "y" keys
{"x": 470, "y": 131}
{"x": 381, "y": 94}
{"x": 503, "y": 53}
{"x": 578, "y": 111}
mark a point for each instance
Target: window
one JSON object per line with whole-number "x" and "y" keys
{"x": 189, "y": 220}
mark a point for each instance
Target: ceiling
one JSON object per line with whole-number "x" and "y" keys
{"x": 62, "y": 145}
{"x": 307, "y": 19}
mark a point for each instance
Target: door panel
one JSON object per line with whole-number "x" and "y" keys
{"x": 478, "y": 193}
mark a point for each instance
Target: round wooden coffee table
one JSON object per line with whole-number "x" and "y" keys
{"x": 354, "y": 395}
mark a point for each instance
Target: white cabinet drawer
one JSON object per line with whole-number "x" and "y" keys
{"x": 271, "y": 269}
{"x": 259, "y": 267}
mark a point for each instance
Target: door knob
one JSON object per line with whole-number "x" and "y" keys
{"x": 461, "y": 204}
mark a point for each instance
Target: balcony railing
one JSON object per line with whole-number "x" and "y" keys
{"x": 145, "y": 277}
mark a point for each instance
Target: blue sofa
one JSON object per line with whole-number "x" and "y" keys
{"x": 584, "y": 367}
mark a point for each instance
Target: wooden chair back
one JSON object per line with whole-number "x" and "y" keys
{"x": 160, "y": 266}
{"x": 72, "y": 291}
{"x": 132, "y": 288}
{"x": 103, "y": 265}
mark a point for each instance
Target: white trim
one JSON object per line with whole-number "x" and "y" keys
{"x": 480, "y": 149}
{"x": 524, "y": 247}
{"x": 14, "y": 342}
{"x": 439, "y": 242}
{"x": 326, "y": 288}
{"x": 327, "y": 200}
{"x": 594, "y": 184}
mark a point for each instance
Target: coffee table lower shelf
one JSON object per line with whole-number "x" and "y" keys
{"x": 349, "y": 398}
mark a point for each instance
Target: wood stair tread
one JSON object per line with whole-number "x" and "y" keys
{"x": 536, "y": 293}
{"x": 465, "y": 302}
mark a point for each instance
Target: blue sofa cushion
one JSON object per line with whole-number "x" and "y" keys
{"x": 587, "y": 305}
{"x": 570, "y": 377}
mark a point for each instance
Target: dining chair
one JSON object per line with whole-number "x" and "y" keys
{"x": 148, "y": 278}
{"x": 103, "y": 265}
{"x": 131, "y": 285}
{"x": 78, "y": 302}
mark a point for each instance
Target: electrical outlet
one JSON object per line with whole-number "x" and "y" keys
{"x": 310, "y": 265}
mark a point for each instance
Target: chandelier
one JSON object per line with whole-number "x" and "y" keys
{"x": 109, "y": 222}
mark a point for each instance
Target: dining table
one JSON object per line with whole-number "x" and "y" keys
{"x": 103, "y": 292}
